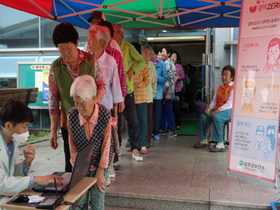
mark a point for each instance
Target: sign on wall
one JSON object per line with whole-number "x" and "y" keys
{"x": 34, "y": 74}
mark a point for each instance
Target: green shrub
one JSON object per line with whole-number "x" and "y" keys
{"x": 34, "y": 137}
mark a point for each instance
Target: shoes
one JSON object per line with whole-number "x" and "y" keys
{"x": 200, "y": 145}
{"x": 112, "y": 174}
{"x": 215, "y": 149}
{"x": 143, "y": 151}
{"x": 116, "y": 167}
{"x": 156, "y": 137}
{"x": 137, "y": 158}
{"x": 108, "y": 182}
{"x": 128, "y": 144}
{"x": 162, "y": 132}
{"x": 120, "y": 154}
{"x": 220, "y": 147}
{"x": 178, "y": 127}
{"x": 170, "y": 135}
{"x": 129, "y": 149}
{"x": 148, "y": 145}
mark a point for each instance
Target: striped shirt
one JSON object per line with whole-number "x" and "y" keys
{"x": 141, "y": 81}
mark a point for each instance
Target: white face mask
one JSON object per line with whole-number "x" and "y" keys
{"x": 19, "y": 138}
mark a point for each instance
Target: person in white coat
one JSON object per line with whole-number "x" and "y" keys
{"x": 15, "y": 117}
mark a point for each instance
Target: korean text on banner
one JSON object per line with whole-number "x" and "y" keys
{"x": 253, "y": 146}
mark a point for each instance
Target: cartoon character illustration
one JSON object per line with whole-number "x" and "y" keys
{"x": 248, "y": 96}
{"x": 269, "y": 143}
{"x": 273, "y": 55}
{"x": 259, "y": 145}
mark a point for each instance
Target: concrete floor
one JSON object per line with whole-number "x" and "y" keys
{"x": 172, "y": 173}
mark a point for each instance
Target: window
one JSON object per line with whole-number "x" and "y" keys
{"x": 9, "y": 64}
{"x": 18, "y": 29}
{"x": 8, "y": 83}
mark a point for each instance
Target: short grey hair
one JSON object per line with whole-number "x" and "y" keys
{"x": 120, "y": 26}
{"x": 146, "y": 47}
{"x": 83, "y": 86}
{"x": 101, "y": 34}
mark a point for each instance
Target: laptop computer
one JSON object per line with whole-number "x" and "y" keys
{"x": 51, "y": 202}
{"x": 80, "y": 170}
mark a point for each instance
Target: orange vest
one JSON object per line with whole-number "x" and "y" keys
{"x": 222, "y": 95}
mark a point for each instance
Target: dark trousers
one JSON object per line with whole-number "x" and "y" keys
{"x": 177, "y": 110}
{"x": 68, "y": 166}
{"x": 167, "y": 116}
{"x": 120, "y": 127}
{"x": 150, "y": 121}
{"x": 141, "y": 110}
{"x": 129, "y": 114}
{"x": 157, "y": 107}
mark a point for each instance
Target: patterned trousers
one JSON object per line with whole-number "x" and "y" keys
{"x": 97, "y": 199}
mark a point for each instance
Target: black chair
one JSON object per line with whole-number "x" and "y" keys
{"x": 226, "y": 132}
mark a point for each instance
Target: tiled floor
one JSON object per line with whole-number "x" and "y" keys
{"x": 173, "y": 171}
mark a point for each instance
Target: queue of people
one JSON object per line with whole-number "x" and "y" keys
{"x": 85, "y": 86}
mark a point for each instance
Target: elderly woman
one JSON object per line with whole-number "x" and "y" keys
{"x": 167, "y": 107}
{"x": 90, "y": 122}
{"x": 180, "y": 76}
{"x": 218, "y": 112}
{"x": 64, "y": 70}
{"x": 146, "y": 52}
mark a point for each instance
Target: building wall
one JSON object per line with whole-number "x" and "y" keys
{"x": 221, "y": 54}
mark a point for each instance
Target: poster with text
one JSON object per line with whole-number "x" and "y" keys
{"x": 45, "y": 73}
{"x": 254, "y": 133}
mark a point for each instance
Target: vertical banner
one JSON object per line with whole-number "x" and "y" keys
{"x": 45, "y": 85}
{"x": 253, "y": 144}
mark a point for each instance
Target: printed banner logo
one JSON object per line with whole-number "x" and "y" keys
{"x": 262, "y": 6}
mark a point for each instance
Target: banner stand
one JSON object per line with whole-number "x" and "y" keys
{"x": 253, "y": 149}
{"x": 277, "y": 171}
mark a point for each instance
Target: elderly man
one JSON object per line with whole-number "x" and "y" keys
{"x": 97, "y": 41}
{"x": 95, "y": 19}
{"x": 130, "y": 57}
{"x": 63, "y": 72}
{"x": 114, "y": 50}
{"x": 116, "y": 53}
{"x": 118, "y": 57}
